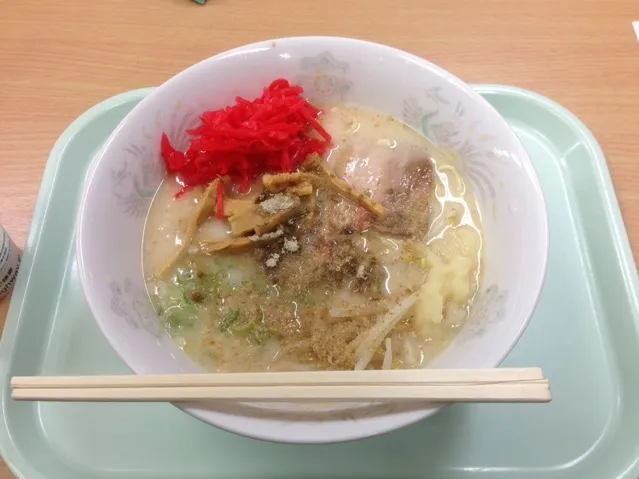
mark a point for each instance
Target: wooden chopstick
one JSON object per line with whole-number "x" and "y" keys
{"x": 528, "y": 392}
{"x": 428, "y": 385}
{"x": 306, "y": 378}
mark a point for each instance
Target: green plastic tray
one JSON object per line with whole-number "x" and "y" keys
{"x": 584, "y": 334}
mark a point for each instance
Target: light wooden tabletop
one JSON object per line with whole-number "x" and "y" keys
{"x": 59, "y": 58}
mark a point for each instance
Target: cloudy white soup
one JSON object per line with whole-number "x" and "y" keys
{"x": 291, "y": 236}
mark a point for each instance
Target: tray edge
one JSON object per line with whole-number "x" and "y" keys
{"x": 618, "y": 231}
{"x": 11, "y": 455}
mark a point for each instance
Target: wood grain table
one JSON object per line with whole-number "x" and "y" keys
{"x": 59, "y": 58}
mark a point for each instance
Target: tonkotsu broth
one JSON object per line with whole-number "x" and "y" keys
{"x": 309, "y": 297}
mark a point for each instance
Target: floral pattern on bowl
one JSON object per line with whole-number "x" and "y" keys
{"x": 137, "y": 178}
{"x": 134, "y": 187}
{"x": 465, "y": 139}
{"x": 324, "y": 78}
{"x": 131, "y": 303}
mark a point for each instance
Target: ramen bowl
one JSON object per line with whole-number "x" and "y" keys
{"x": 125, "y": 176}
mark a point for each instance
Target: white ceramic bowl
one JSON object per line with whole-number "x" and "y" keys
{"x": 123, "y": 179}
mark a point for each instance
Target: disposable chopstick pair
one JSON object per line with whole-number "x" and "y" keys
{"x": 425, "y": 385}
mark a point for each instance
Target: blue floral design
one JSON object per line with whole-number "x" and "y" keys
{"x": 136, "y": 180}
{"x": 412, "y": 113}
{"x": 132, "y": 304}
{"x": 324, "y": 77}
{"x": 134, "y": 189}
{"x": 448, "y": 135}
